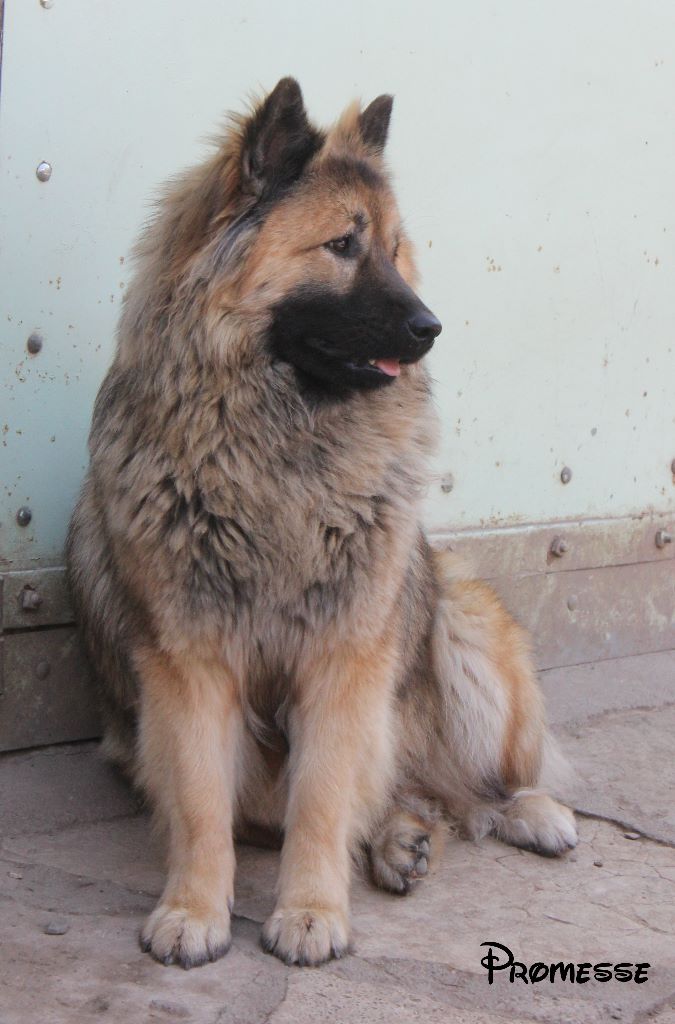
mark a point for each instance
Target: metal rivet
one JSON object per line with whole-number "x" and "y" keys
{"x": 566, "y": 474}
{"x": 447, "y": 483}
{"x": 24, "y": 516}
{"x": 558, "y": 547}
{"x": 573, "y": 602}
{"x": 43, "y": 171}
{"x": 30, "y": 599}
{"x": 662, "y": 538}
{"x": 47, "y": 4}
{"x": 34, "y": 343}
{"x": 42, "y": 669}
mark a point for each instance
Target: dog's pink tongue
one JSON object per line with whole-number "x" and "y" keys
{"x": 391, "y": 367}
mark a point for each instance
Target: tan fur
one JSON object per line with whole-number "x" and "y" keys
{"x": 190, "y": 720}
{"x": 278, "y": 648}
{"x": 507, "y": 647}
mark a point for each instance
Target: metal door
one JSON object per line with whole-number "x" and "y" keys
{"x": 534, "y": 156}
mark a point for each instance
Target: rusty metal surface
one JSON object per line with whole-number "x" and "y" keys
{"x": 45, "y": 694}
{"x": 37, "y": 597}
{"x": 589, "y": 543}
{"x": 591, "y": 614}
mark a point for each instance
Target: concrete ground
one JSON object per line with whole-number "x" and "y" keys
{"x": 79, "y": 870}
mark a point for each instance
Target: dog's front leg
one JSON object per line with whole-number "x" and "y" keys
{"x": 339, "y": 775}
{"x": 190, "y": 726}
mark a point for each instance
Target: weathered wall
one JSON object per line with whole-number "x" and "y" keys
{"x": 534, "y": 151}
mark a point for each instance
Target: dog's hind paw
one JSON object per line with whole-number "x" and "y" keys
{"x": 174, "y": 935}
{"x": 538, "y": 823}
{"x": 399, "y": 856}
{"x": 306, "y": 936}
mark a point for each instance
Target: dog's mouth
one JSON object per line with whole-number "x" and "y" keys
{"x": 339, "y": 346}
{"x": 382, "y": 367}
{"x": 386, "y": 367}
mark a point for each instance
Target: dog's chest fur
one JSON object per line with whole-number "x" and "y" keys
{"x": 249, "y": 505}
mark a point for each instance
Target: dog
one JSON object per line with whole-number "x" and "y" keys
{"x": 278, "y": 647}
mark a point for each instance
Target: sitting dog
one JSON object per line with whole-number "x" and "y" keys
{"x": 277, "y": 645}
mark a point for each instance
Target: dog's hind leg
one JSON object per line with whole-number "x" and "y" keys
{"x": 493, "y": 736}
{"x": 534, "y": 821}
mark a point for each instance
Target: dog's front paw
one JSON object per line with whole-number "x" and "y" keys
{"x": 306, "y": 936}
{"x": 175, "y": 935}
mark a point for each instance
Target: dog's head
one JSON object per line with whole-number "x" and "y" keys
{"x": 304, "y": 235}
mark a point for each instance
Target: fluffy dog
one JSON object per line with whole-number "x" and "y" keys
{"x": 277, "y": 645}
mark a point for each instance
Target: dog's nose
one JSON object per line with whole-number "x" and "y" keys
{"x": 424, "y": 326}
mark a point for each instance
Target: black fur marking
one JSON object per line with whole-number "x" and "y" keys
{"x": 278, "y": 143}
{"x": 350, "y": 172}
{"x": 374, "y": 122}
{"x": 330, "y": 338}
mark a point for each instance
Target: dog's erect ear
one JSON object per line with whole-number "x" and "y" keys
{"x": 278, "y": 141}
{"x": 374, "y": 122}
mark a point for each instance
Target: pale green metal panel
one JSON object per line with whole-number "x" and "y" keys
{"x": 534, "y": 151}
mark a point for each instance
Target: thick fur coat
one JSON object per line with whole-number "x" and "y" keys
{"x": 277, "y": 646}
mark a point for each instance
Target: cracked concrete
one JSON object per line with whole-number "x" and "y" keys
{"x": 78, "y": 854}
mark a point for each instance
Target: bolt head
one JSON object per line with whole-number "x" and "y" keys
{"x": 558, "y": 547}
{"x": 447, "y": 483}
{"x": 43, "y": 171}
{"x": 662, "y": 537}
{"x": 672, "y": 467}
{"x": 24, "y": 516}
{"x": 566, "y": 474}
{"x": 47, "y": 4}
{"x": 30, "y": 599}
{"x": 42, "y": 669}
{"x": 34, "y": 343}
{"x": 573, "y": 602}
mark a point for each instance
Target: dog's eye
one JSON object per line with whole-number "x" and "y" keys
{"x": 343, "y": 246}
